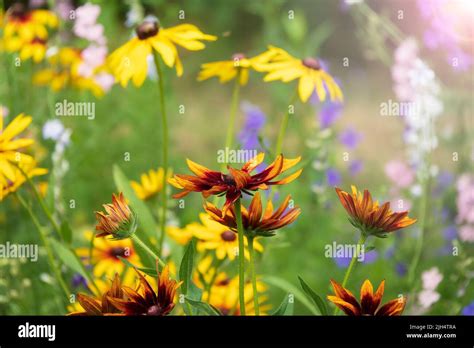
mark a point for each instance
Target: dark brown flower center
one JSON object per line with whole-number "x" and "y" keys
{"x": 238, "y": 56}
{"x": 18, "y": 11}
{"x": 118, "y": 251}
{"x": 223, "y": 282}
{"x": 312, "y": 63}
{"x": 228, "y": 236}
{"x": 228, "y": 179}
{"x": 147, "y": 29}
{"x": 39, "y": 41}
{"x": 154, "y": 310}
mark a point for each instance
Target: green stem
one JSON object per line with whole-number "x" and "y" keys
{"x": 164, "y": 129}
{"x": 351, "y": 265}
{"x": 137, "y": 240}
{"x": 44, "y": 238}
{"x": 253, "y": 276}
{"x": 49, "y": 215}
{"x": 229, "y": 140}
{"x": 240, "y": 230}
{"x": 284, "y": 126}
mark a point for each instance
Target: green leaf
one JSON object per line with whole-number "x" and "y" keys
{"x": 68, "y": 258}
{"x": 186, "y": 267}
{"x": 286, "y": 307}
{"x": 147, "y": 226}
{"x": 288, "y": 287}
{"x": 203, "y": 306}
{"x": 150, "y": 271}
{"x": 318, "y": 301}
{"x": 66, "y": 232}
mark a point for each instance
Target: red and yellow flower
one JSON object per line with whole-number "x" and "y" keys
{"x": 210, "y": 182}
{"x": 256, "y": 222}
{"x": 118, "y": 221}
{"x": 369, "y": 217}
{"x": 145, "y": 301}
{"x": 369, "y": 302}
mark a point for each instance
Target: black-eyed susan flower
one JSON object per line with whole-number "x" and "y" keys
{"x": 100, "y": 305}
{"x": 130, "y": 60}
{"x": 369, "y": 217}
{"x": 256, "y": 222}
{"x": 63, "y": 71}
{"x": 11, "y": 184}
{"x": 215, "y": 236}
{"x": 226, "y": 70}
{"x": 210, "y": 182}
{"x": 11, "y": 144}
{"x": 225, "y": 296}
{"x": 145, "y": 301}
{"x": 182, "y": 236}
{"x": 118, "y": 221}
{"x": 312, "y": 77}
{"x": 104, "y": 257}
{"x": 150, "y": 184}
{"x": 25, "y": 25}
{"x": 369, "y": 302}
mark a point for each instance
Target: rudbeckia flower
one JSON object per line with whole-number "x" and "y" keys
{"x": 105, "y": 255}
{"x": 25, "y": 25}
{"x": 150, "y": 184}
{"x": 64, "y": 72}
{"x": 118, "y": 221}
{"x": 215, "y": 236}
{"x": 11, "y": 144}
{"x": 130, "y": 60}
{"x": 10, "y": 185}
{"x": 100, "y": 305}
{"x": 227, "y": 70}
{"x": 210, "y": 182}
{"x": 312, "y": 77}
{"x": 369, "y": 302}
{"x": 255, "y": 224}
{"x": 225, "y": 296}
{"x": 145, "y": 301}
{"x": 369, "y": 217}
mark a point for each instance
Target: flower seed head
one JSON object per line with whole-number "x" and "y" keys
{"x": 147, "y": 29}
{"x": 312, "y": 63}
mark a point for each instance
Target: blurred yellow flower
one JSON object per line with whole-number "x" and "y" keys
{"x": 11, "y": 184}
{"x": 64, "y": 72}
{"x": 130, "y": 60}
{"x": 26, "y": 31}
{"x": 214, "y": 236}
{"x": 150, "y": 184}
{"x": 11, "y": 144}
{"x": 23, "y": 24}
{"x": 182, "y": 236}
{"x": 227, "y": 70}
{"x": 312, "y": 77}
{"x": 225, "y": 296}
{"x": 104, "y": 256}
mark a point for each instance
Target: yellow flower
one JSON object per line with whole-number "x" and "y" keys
{"x": 63, "y": 72}
{"x": 105, "y": 253}
{"x": 35, "y": 49}
{"x": 312, "y": 77}
{"x": 150, "y": 184}
{"x": 26, "y": 31}
{"x": 224, "y": 295}
{"x": 227, "y": 70}
{"x": 11, "y": 144}
{"x": 10, "y": 185}
{"x": 130, "y": 60}
{"x": 25, "y": 25}
{"x": 214, "y": 236}
{"x": 182, "y": 236}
